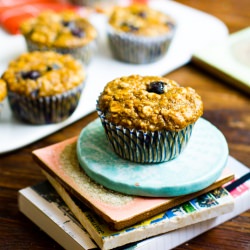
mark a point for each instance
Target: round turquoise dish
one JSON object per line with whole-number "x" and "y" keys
{"x": 197, "y": 167}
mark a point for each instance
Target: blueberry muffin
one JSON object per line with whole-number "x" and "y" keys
{"x": 64, "y": 32}
{"x": 139, "y": 34}
{"x": 44, "y": 87}
{"x": 148, "y": 119}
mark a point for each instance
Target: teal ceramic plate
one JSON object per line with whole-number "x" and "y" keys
{"x": 198, "y": 166}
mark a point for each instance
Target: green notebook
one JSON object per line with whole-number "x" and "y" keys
{"x": 229, "y": 59}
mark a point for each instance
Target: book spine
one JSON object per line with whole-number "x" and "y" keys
{"x": 44, "y": 207}
{"x": 48, "y": 212}
{"x": 201, "y": 208}
{"x": 175, "y": 238}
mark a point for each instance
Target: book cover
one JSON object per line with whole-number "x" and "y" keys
{"x": 44, "y": 207}
{"x": 119, "y": 210}
{"x": 229, "y": 59}
{"x": 203, "y": 207}
{"x": 31, "y": 200}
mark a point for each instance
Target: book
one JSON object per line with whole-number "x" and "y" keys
{"x": 44, "y": 207}
{"x": 42, "y": 210}
{"x": 117, "y": 209}
{"x": 204, "y": 207}
{"x": 228, "y": 59}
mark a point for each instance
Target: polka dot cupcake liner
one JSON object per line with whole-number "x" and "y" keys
{"x": 138, "y": 50}
{"x": 83, "y": 54}
{"x": 45, "y": 110}
{"x": 145, "y": 147}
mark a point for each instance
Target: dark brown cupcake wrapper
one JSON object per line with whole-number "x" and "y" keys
{"x": 145, "y": 147}
{"x": 84, "y": 53}
{"x": 138, "y": 50}
{"x": 45, "y": 110}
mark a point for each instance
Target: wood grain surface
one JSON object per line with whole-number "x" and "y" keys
{"x": 226, "y": 107}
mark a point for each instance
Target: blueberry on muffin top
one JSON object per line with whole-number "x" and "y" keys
{"x": 141, "y": 20}
{"x": 149, "y": 103}
{"x": 62, "y": 30}
{"x": 43, "y": 74}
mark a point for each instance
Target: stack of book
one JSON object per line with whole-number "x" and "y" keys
{"x": 97, "y": 218}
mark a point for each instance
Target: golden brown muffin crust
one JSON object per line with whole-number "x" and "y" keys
{"x": 129, "y": 101}
{"x": 43, "y": 74}
{"x": 60, "y": 30}
{"x": 140, "y": 20}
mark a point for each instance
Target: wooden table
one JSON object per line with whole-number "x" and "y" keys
{"x": 225, "y": 107}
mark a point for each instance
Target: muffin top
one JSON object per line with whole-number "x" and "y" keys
{"x": 39, "y": 74}
{"x": 140, "y": 20}
{"x": 63, "y": 30}
{"x": 3, "y": 90}
{"x": 149, "y": 103}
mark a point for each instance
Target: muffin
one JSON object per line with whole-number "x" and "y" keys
{"x": 139, "y": 34}
{"x": 148, "y": 119}
{"x": 44, "y": 87}
{"x": 64, "y": 32}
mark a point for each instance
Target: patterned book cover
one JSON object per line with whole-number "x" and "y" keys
{"x": 203, "y": 207}
{"x": 45, "y": 207}
{"x": 117, "y": 209}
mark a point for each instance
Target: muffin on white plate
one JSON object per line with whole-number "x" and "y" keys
{"x": 139, "y": 34}
{"x": 65, "y": 32}
{"x": 44, "y": 87}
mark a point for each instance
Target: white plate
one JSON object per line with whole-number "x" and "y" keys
{"x": 195, "y": 30}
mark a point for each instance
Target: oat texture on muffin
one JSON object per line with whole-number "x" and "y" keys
{"x": 65, "y": 29}
{"x": 141, "y": 20}
{"x": 40, "y": 74}
{"x": 44, "y": 87}
{"x": 149, "y": 103}
{"x": 65, "y": 32}
{"x": 139, "y": 34}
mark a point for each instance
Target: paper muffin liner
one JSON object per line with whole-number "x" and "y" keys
{"x": 138, "y": 50}
{"x": 145, "y": 147}
{"x": 84, "y": 53}
{"x": 45, "y": 110}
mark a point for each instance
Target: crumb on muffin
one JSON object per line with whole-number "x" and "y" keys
{"x": 140, "y": 20}
{"x": 63, "y": 30}
{"x": 149, "y": 103}
{"x": 43, "y": 74}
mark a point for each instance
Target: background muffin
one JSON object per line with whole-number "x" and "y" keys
{"x": 44, "y": 87}
{"x": 64, "y": 32}
{"x": 148, "y": 118}
{"x": 139, "y": 34}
